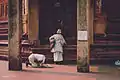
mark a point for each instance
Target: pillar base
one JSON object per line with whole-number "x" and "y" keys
{"x": 15, "y": 64}
{"x": 83, "y": 69}
{"x": 82, "y": 64}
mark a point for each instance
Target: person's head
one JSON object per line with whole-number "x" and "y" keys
{"x": 59, "y": 31}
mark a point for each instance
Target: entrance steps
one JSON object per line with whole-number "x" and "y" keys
{"x": 105, "y": 49}
{"x": 4, "y": 31}
{"x": 70, "y": 52}
{"x": 3, "y": 52}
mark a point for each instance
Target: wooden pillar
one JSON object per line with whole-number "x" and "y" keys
{"x": 25, "y": 15}
{"x": 33, "y": 19}
{"x": 90, "y": 20}
{"x": 15, "y": 31}
{"x": 83, "y": 35}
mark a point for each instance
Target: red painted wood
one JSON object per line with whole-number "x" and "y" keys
{"x": 4, "y": 18}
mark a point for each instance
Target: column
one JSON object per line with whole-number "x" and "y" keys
{"x": 15, "y": 31}
{"x": 33, "y": 19}
{"x": 83, "y": 35}
{"x": 25, "y": 15}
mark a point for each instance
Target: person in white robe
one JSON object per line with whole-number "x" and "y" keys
{"x": 36, "y": 60}
{"x": 57, "y": 49}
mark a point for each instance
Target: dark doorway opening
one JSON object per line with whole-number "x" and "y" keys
{"x": 111, "y": 9}
{"x": 54, "y": 14}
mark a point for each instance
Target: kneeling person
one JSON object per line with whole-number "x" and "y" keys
{"x": 36, "y": 60}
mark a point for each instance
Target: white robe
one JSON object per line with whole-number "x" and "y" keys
{"x": 58, "y": 48}
{"x": 39, "y": 57}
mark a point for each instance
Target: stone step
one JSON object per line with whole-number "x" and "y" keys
{"x": 105, "y": 45}
{"x": 107, "y": 37}
{"x": 3, "y": 57}
{"x": 4, "y": 36}
{"x": 106, "y": 42}
{"x": 105, "y": 52}
{"x": 104, "y": 59}
{"x": 4, "y": 32}
{"x": 4, "y": 52}
{"x": 4, "y": 26}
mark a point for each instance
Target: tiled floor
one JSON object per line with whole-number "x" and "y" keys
{"x": 58, "y": 72}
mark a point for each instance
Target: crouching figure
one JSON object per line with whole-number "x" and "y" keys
{"x": 36, "y": 60}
